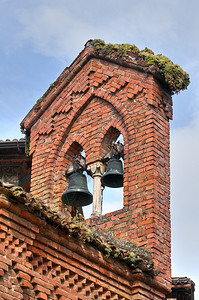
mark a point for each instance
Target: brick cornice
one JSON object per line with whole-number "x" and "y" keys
{"x": 33, "y": 210}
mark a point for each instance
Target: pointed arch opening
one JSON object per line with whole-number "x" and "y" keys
{"x": 112, "y": 198}
{"x": 111, "y": 136}
{"x": 74, "y": 150}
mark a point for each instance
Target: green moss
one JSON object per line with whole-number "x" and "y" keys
{"x": 175, "y": 78}
{"x": 98, "y": 44}
{"x": 52, "y": 85}
{"x": 15, "y": 193}
{"x": 39, "y": 100}
{"x": 27, "y": 140}
{"x": 116, "y": 253}
{"x": 37, "y": 206}
{"x": 120, "y": 49}
{"x": 107, "y": 250}
{"x": 132, "y": 257}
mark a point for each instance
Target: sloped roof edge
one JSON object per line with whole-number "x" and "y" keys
{"x": 90, "y": 51}
{"x": 14, "y": 144}
{"x": 128, "y": 253}
{"x": 182, "y": 281}
{"x": 53, "y": 91}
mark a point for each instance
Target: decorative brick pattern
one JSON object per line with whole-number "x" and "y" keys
{"x": 91, "y": 99}
{"x": 40, "y": 262}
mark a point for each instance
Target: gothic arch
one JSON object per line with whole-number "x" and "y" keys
{"x": 66, "y": 139}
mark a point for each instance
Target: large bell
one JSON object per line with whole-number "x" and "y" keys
{"x": 77, "y": 193}
{"x": 113, "y": 177}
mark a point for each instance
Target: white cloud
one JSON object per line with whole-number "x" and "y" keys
{"x": 52, "y": 31}
{"x": 58, "y": 28}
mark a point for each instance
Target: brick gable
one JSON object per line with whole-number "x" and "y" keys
{"x": 91, "y": 103}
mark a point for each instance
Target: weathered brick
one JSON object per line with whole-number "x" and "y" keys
{"x": 26, "y": 284}
{"x": 23, "y": 275}
{"x": 90, "y": 99}
{"x": 42, "y": 296}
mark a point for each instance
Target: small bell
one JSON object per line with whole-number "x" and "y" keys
{"x": 77, "y": 193}
{"x": 113, "y": 177}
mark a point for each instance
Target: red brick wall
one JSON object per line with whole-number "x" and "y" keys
{"x": 102, "y": 95}
{"x": 38, "y": 261}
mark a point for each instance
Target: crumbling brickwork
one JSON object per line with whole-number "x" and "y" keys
{"x": 94, "y": 101}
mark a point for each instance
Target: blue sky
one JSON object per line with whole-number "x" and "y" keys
{"x": 40, "y": 38}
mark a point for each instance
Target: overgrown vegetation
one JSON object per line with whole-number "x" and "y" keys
{"x": 52, "y": 85}
{"x": 175, "y": 78}
{"x": 121, "y": 49}
{"x": 27, "y": 140}
{"x": 39, "y": 100}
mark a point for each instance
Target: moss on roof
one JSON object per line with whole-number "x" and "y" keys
{"x": 126, "y": 252}
{"x": 174, "y": 77}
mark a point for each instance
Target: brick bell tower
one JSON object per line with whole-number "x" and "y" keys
{"x": 107, "y": 91}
